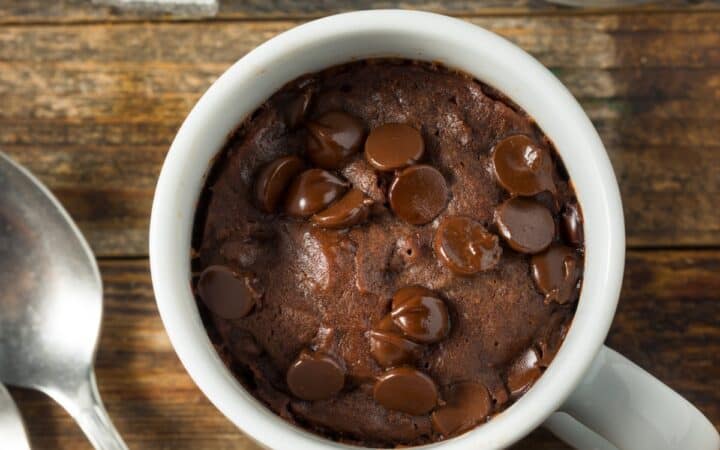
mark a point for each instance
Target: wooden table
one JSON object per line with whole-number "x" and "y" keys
{"x": 90, "y": 99}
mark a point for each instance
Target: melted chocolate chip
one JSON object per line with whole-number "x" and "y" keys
{"x": 526, "y": 225}
{"x": 353, "y": 208}
{"x": 406, "y": 390}
{"x": 571, "y": 226}
{"x": 466, "y": 405}
{"x": 227, "y": 294}
{"x": 418, "y": 194}
{"x": 556, "y": 272}
{"x": 273, "y": 179}
{"x": 420, "y": 314}
{"x": 394, "y": 146}
{"x": 312, "y": 191}
{"x": 523, "y": 373}
{"x": 522, "y": 167}
{"x": 315, "y": 376}
{"x": 296, "y": 109}
{"x": 332, "y": 138}
{"x": 388, "y": 346}
{"x": 465, "y": 246}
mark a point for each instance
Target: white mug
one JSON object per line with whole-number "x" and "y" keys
{"x": 587, "y": 387}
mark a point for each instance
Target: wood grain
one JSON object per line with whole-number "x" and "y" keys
{"x": 668, "y": 322}
{"x": 91, "y": 97}
{"x": 83, "y": 11}
{"x": 93, "y": 108}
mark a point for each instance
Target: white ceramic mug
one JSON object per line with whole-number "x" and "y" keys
{"x": 587, "y": 382}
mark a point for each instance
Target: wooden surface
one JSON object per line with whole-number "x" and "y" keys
{"x": 91, "y": 97}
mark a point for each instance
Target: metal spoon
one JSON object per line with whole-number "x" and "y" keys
{"x": 51, "y": 303}
{"x": 12, "y": 429}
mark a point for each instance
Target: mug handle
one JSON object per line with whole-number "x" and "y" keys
{"x": 619, "y": 404}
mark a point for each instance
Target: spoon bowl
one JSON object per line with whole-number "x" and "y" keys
{"x": 52, "y": 303}
{"x": 12, "y": 428}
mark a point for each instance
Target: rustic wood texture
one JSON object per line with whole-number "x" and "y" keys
{"x": 93, "y": 108}
{"x": 91, "y": 97}
{"x": 668, "y": 322}
{"x": 82, "y": 11}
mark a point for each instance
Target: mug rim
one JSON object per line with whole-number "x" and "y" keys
{"x": 182, "y": 177}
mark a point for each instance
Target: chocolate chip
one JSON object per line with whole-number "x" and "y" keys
{"x": 296, "y": 108}
{"x": 418, "y": 194}
{"x": 420, "y": 314}
{"x": 523, "y": 372}
{"x": 571, "y": 226}
{"x": 315, "y": 376}
{"x": 332, "y": 138}
{"x": 556, "y": 272}
{"x": 312, "y": 191}
{"x": 353, "y": 208}
{"x": 394, "y": 146}
{"x": 406, "y": 390}
{"x": 522, "y": 167}
{"x": 466, "y": 405}
{"x": 465, "y": 246}
{"x": 227, "y": 294}
{"x": 526, "y": 225}
{"x": 389, "y": 348}
{"x": 274, "y": 178}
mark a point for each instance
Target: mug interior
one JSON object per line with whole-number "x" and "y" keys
{"x": 413, "y": 35}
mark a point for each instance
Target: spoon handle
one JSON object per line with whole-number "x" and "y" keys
{"x": 86, "y": 407}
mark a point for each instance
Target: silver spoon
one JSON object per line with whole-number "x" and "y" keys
{"x": 51, "y": 303}
{"x": 12, "y": 428}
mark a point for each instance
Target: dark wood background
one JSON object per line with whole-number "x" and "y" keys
{"x": 91, "y": 97}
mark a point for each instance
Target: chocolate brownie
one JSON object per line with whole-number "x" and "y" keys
{"x": 387, "y": 253}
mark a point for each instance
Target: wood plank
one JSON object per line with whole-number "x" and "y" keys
{"x": 668, "y": 321}
{"x": 82, "y": 11}
{"x": 595, "y": 41}
{"x": 94, "y": 117}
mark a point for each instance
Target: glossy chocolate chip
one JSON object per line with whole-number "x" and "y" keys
{"x": 421, "y": 314}
{"x": 526, "y": 225}
{"x": 227, "y": 294}
{"x": 315, "y": 376}
{"x": 522, "y": 167}
{"x": 556, "y": 272}
{"x": 571, "y": 226}
{"x": 296, "y": 108}
{"x": 523, "y": 372}
{"x": 332, "y": 138}
{"x": 353, "y": 208}
{"x": 312, "y": 191}
{"x": 389, "y": 347}
{"x": 466, "y": 405}
{"x": 274, "y": 179}
{"x": 394, "y": 146}
{"x": 465, "y": 246}
{"x": 406, "y": 390}
{"x": 418, "y": 194}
